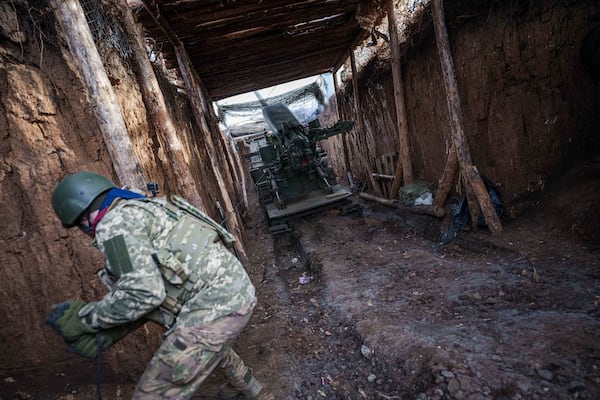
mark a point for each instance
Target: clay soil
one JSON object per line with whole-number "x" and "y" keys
{"x": 371, "y": 306}
{"x": 392, "y": 314}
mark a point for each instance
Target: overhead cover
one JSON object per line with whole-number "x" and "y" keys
{"x": 241, "y": 46}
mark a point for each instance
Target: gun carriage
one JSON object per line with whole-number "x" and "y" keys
{"x": 293, "y": 177}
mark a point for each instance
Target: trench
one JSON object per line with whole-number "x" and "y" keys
{"x": 327, "y": 356}
{"x": 373, "y": 307}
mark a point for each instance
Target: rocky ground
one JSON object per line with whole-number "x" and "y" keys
{"x": 391, "y": 314}
{"x": 371, "y": 306}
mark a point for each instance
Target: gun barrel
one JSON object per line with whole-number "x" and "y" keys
{"x": 324, "y": 133}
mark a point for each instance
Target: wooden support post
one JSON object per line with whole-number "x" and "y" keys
{"x": 240, "y": 176}
{"x": 193, "y": 87}
{"x": 159, "y": 114}
{"x": 339, "y": 114}
{"x": 404, "y": 167}
{"x": 229, "y": 158}
{"x": 335, "y": 95}
{"x": 445, "y": 183}
{"x": 199, "y": 107}
{"x": 470, "y": 175}
{"x": 361, "y": 124}
{"x": 106, "y": 106}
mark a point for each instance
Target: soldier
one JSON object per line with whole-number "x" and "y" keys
{"x": 165, "y": 264}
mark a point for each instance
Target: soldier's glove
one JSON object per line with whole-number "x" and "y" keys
{"x": 65, "y": 320}
{"x": 91, "y": 345}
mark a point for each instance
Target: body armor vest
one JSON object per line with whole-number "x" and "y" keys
{"x": 191, "y": 234}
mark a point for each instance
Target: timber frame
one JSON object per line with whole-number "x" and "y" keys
{"x": 224, "y": 48}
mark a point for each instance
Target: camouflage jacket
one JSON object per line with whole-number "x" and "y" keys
{"x": 138, "y": 235}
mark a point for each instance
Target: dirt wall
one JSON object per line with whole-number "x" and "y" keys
{"x": 530, "y": 107}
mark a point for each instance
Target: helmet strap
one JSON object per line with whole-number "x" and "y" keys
{"x": 89, "y": 228}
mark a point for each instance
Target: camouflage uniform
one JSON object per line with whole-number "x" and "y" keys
{"x": 174, "y": 270}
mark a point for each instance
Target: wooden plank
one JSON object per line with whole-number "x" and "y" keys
{"x": 279, "y": 19}
{"x": 390, "y": 170}
{"x": 245, "y": 36}
{"x": 380, "y": 170}
{"x": 206, "y": 16}
{"x": 447, "y": 179}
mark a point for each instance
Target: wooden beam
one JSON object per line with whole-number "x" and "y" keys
{"x": 199, "y": 107}
{"x": 470, "y": 175}
{"x": 404, "y": 166}
{"x": 101, "y": 93}
{"x": 335, "y": 94}
{"x": 362, "y": 132}
{"x": 157, "y": 109}
{"x": 196, "y": 96}
{"x": 445, "y": 182}
{"x": 339, "y": 115}
{"x": 432, "y": 210}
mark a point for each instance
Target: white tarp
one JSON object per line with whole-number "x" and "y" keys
{"x": 242, "y": 115}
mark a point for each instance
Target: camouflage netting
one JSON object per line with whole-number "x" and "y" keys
{"x": 306, "y": 102}
{"x": 105, "y": 27}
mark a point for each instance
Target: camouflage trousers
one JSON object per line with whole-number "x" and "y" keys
{"x": 190, "y": 352}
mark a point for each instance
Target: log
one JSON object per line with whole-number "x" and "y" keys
{"x": 199, "y": 107}
{"x": 100, "y": 92}
{"x": 240, "y": 176}
{"x": 432, "y": 210}
{"x": 445, "y": 182}
{"x": 344, "y": 137}
{"x": 339, "y": 116}
{"x": 377, "y": 199}
{"x": 362, "y": 134}
{"x": 472, "y": 203}
{"x": 157, "y": 108}
{"x": 481, "y": 191}
{"x": 404, "y": 168}
{"x": 192, "y": 85}
{"x": 336, "y": 88}
{"x": 229, "y": 159}
{"x": 470, "y": 175}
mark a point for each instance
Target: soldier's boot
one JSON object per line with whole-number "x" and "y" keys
{"x": 228, "y": 392}
{"x": 245, "y": 385}
{"x": 241, "y": 380}
{"x": 265, "y": 395}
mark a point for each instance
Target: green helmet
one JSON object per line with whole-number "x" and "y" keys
{"x": 74, "y": 194}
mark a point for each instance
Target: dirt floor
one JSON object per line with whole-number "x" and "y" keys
{"x": 371, "y": 306}
{"x": 391, "y": 314}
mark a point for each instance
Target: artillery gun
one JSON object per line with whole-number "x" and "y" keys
{"x": 293, "y": 177}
